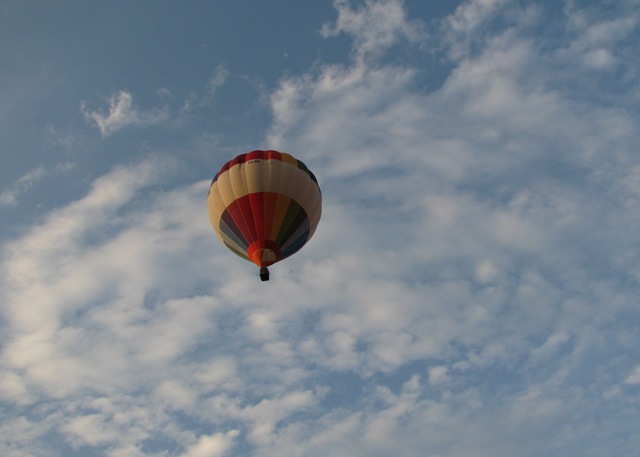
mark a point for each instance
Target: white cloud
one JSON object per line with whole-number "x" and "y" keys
{"x": 471, "y": 289}
{"x": 216, "y": 81}
{"x": 469, "y": 15}
{"x": 438, "y": 375}
{"x": 122, "y": 113}
{"x": 391, "y": 26}
{"x": 55, "y": 138}
{"x": 600, "y": 58}
{"x": 601, "y": 41}
{"x": 634, "y": 377}
{"x": 462, "y": 27}
{"x": 12, "y": 388}
{"x": 11, "y": 196}
{"x": 470, "y": 195}
{"x": 212, "y": 445}
{"x": 89, "y": 430}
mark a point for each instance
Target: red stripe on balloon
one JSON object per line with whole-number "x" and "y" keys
{"x": 249, "y": 218}
{"x": 236, "y": 213}
{"x": 270, "y": 200}
{"x": 257, "y": 213}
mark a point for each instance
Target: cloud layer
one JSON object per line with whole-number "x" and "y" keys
{"x": 471, "y": 290}
{"x": 122, "y": 113}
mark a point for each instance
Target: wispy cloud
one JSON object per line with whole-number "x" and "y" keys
{"x": 499, "y": 206}
{"x": 218, "y": 79}
{"x": 471, "y": 289}
{"x": 391, "y": 26}
{"x": 215, "y": 82}
{"x": 601, "y": 42}
{"x": 10, "y": 196}
{"x": 122, "y": 113}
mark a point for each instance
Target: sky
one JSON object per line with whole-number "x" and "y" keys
{"x": 472, "y": 289}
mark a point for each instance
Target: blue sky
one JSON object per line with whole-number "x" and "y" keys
{"x": 472, "y": 288}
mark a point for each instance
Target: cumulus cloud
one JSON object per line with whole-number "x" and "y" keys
{"x": 465, "y": 27}
{"x": 211, "y": 446}
{"x": 122, "y": 113}
{"x": 469, "y": 15}
{"x": 471, "y": 288}
{"x": 493, "y": 183}
{"x": 375, "y": 26}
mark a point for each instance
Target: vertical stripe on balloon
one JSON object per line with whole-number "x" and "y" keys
{"x": 264, "y": 205}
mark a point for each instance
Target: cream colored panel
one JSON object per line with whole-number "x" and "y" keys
{"x": 216, "y": 205}
{"x": 238, "y": 180}
{"x": 296, "y": 185}
{"x": 308, "y": 194}
{"x": 224, "y": 189}
{"x": 255, "y": 171}
{"x": 277, "y": 175}
{"x": 314, "y": 216}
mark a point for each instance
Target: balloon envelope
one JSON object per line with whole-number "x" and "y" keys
{"x": 264, "y": 206}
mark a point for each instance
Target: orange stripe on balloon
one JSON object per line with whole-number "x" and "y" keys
{"x": 269, "y": 200}
{"x": 282, "y": 204}
{"x": 264, "y": 253}
{"x": 258, "y": 212}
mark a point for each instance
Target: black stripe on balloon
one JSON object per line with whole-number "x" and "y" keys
{"x": 296, "y": 245}
{"x": 224, "y": 228}
{"x": 304, "y": 168}
{"x": 293, "y": 219}
{"x": 231, "y": 229}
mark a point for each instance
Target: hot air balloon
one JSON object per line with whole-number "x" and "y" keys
{"x": 264, "y": 206}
